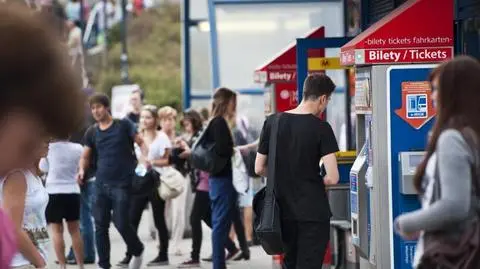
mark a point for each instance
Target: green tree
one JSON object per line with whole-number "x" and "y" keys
{"x": 154, "y": 56}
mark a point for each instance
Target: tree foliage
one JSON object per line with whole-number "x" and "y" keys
{"x": 154, "y": 51}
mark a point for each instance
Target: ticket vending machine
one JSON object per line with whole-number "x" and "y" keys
{"x": 394, "y": 114}
{"x": 381, "y": 186}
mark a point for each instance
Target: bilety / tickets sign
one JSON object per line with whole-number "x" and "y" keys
{"x": 410, "y": 34}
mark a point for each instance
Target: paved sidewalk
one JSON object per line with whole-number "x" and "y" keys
{"x": 259, "y": 259}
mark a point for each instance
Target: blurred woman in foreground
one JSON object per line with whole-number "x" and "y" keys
{"x": 28, "y": 111}
{"x": 444, "y": 180}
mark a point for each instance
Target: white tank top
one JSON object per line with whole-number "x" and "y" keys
{"x": 34, "y": 220}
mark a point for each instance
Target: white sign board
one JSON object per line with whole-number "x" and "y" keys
{"x": 121, "y": 99}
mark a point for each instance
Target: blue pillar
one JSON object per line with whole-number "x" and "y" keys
{"x": 303, "y": 45}
{"x": 186, "y": 85}
{"x": 212, "y": 18}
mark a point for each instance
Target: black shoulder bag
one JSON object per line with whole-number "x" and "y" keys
{"x": 203, "y": 156}
{"x": 267, "y": 220}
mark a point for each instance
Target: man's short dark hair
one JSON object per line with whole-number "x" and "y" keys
{"x": 35, "y": 72}
{"x": 316, "y": 85}
{"x": 101, "y": 99}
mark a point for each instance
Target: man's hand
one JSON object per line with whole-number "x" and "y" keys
{"x": 80, "y": 176}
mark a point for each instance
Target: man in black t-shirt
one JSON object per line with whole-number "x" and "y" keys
{"x": 302, "y": 141}
{"x": 112, "y": 143}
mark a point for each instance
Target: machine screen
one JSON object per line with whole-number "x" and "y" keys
{"x": 415, "y": 160}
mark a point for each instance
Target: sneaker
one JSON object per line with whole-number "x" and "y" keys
{"x": 158, "y": 261}
{"x": 136, "y": 262}
{"x": 125, "y": 262}
{"x": 241, "y": 256}
{"x": 190, "y": 264}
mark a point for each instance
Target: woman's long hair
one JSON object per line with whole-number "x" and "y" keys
{"x": 221, "y": 100}
{"x": 458, "y": 103}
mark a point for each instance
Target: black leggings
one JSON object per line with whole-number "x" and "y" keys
{"x": 202, "y": 211}
{"x": 139, "y": 203}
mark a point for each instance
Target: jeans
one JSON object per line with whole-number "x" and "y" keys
{"x": 87, "y": 193}
{"x": 137, "y": 208}
{"x": 117, "y": 199}
{"x": 202, "y": 211}
{"x": 223, "y": 201}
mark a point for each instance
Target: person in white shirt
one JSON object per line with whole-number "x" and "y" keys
{"x": 61, "y": 166}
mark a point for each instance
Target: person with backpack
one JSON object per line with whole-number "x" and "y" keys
{"x": 447, "y": 225}
{"x": 112, "y": 141}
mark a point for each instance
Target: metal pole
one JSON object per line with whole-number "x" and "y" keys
{"x": 82, "y": 15}
{"x": 124, "y": 55}
{"x": 103, "y": 32}
{"x": 186, "y": 89}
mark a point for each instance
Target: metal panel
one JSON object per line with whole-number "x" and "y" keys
{"x": 380, "y": 254}
{"x": 467, "y": 9}
{"x": 377, "y": 9}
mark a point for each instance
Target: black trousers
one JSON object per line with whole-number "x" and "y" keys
{"x": 305, "y": 244}
{"x": 139, "y": 204}
{"x": 202, "y": 211}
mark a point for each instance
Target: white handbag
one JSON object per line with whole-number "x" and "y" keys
{"x": 240, "y": 175}
{"x": 172, "y": 183}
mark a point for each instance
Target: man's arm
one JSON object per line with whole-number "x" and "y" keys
{"x": 330, "y": 162}
{"x": 261, "y": 165}
{"x": 84, "y": 163}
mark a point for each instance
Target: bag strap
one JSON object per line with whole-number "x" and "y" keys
{"x": 272, "y": 154}
{"x": 472, "y": 141}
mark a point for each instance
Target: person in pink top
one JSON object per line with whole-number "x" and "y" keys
{"x": 8, "y": 244}
{"x": 201, "y": 211}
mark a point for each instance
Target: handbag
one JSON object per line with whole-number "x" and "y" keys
{"x": 458, "y": 248}
{"x": 239, "y": 173}
{"x": 203, "y": 156}
{"x": 144, "y": 185}
{"x": 171, "y": 183}
{"x": 267, "y": 210}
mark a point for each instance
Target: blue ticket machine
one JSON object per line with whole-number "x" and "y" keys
{"x": 394, "y": 114}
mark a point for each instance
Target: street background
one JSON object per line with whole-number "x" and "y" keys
{"x": 259, "y": 260}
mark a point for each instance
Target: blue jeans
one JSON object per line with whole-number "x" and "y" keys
{"x": 223, "y": 201}
{"x": 117, "y": 199}
{"x": 87, "y": 193}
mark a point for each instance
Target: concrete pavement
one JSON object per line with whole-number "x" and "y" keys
{"x": 259, "y": 260}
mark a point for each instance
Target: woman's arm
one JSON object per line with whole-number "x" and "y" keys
{"x": 454, "y": 166}
{"x": 162, "y": 161}
{"x": 14, "y": 192}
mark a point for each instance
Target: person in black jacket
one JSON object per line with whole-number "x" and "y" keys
{"x": 223, "y": 195}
